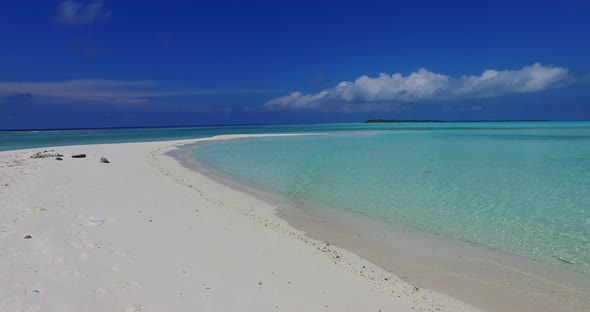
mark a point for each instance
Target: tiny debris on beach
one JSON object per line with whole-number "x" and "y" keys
{"x": 46, "y": 154}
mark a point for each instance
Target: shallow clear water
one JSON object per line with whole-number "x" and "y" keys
{"x": 519, "y": 187}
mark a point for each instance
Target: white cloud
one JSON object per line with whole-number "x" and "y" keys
{"x": 75, "y": 12}
{"x": 425, "y": 85}
{"x": 108, "y": 91}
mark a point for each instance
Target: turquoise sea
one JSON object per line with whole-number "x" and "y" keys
{"x": 10, "y": 140}
{"x": 520, "y": 187}
{"x": 523, "y": 188}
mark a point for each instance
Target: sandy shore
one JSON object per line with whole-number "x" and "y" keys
{"x": 484, "y": 277}
{"x": 144, "y": 233}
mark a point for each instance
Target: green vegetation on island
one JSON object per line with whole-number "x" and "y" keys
{"x": 399, "y": 120}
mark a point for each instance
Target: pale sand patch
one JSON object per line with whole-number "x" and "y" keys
{"x": 145, "y": 234}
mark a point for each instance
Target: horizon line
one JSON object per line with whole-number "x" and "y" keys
{"x": 294, "y": 123}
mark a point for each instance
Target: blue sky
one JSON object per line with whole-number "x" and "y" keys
{"x": 143, "y": 63}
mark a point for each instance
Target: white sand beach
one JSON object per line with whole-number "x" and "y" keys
{"x": 143, "y": 233}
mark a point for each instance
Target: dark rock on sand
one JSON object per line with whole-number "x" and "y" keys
{"x": 104, "y": 160}
{"x": 58, "y": 158}
{"x": 28, "y": 237}
{"x": 79, "y": 156}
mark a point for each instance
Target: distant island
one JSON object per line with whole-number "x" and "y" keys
{"x": 433, "y": 120}
{"x": 399, "y": 120}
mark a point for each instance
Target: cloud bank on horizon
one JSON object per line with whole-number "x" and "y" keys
{"x": 379, "y": 92}
{"x": 75, "y": 13}
{"x": 107, "y": 91}
{"x": 365, "y": 93}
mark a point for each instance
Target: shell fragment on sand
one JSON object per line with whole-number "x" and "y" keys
{"x": 96, "y": 222}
